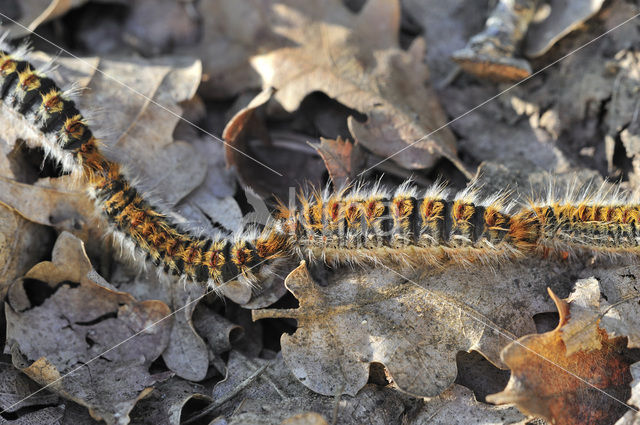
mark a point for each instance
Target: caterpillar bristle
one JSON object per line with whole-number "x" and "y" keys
{"x": 358, "y": 224}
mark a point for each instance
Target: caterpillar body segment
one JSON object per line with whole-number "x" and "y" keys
{"x": 45, "y": 111}
{"x": 406, "y": 227}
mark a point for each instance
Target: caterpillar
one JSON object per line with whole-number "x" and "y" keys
{"x": 357, "y": 225}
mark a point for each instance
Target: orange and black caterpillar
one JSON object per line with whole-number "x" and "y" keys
{"x": 41, "y": 108}
{"x": 357, "y": 225}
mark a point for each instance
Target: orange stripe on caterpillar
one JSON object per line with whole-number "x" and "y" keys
{"x": 352, "y": 225}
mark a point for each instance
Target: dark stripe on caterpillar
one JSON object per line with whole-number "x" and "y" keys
{"x": 348, "y": 226}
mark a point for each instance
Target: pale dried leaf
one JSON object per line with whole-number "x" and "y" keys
{"x": 611, "y": 305}
{"x": 458, "y": 406}
{"x": 15, "y": 387}
{"x": 366, "y": 316}
{"x": 186, "y": 353}
{"x": 48, "y": 339}
{"x": 360, "y": 65}
{"x": 279, "y": 393}
{"x": 22, "y": 244}
{"x": 51, "y": 203}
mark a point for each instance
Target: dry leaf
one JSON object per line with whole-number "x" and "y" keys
{"x": 548, "y": 381}
{"x": 340, "y": 157}
{"x": 458, "y": 406}
{"x": 22, "y": 244}
{"x": 633, "y": 418}
{"x": 48, "y": 415}
{"x": 611, "y": 306}
{"x": 564, "y": 17}
{"x": 49, "y": 339}
{"x": 33, "y": 13}
{"x": 15, "y": 387}
{"x": 50, "y": 202}
{"x": 360, "y": 65}
{"x": 186, "y": 353}
{"x": 279, "y": 394}
{"x": 415, "y": 330}
{"x": 284, "y": 165}
{"x": 166, "y": 403}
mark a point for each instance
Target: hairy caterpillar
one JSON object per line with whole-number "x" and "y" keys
{"x": 356, "y": 225}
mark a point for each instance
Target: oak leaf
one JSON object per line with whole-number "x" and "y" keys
{"x": 48, "y": 339}
{"x": 585, "y": 385}
{"x": 414, "y": 326}
{"x": 361, "y": 66}
{"x": 278, "y": 392}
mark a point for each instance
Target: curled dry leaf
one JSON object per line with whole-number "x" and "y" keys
{"x": 55, "y": 203}
{"x": 15, "y": 388}
{"x": 585, "y": 386}
{"x": 22, "y": 244}
{"x": 33, "y": 13}
{"x": 59, "y": 324}
{"x": 563, "y": 17}
{"x": 360, "y": 65}
{"x": 277, "y": 392}
{"x": 165, "y": 404}
{"x": 341, "y": 157}
{"x": 413, "y": 329}
{"x": 290, "y": 158}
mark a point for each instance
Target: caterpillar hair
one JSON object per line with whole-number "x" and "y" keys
{"x": 357, "y": 225}
{"x": 45, "y": 114}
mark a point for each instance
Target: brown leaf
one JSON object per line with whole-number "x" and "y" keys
{"x": 364, "y": 316}
{"x": 340, "y": 157}
{"x": 48, "y": 339}
{"x": 633, "y": 418}
{"x": 22, "y": 244}
{"x": 360, "y": 65}
{"x": 271, "y": 167}
{"x": 50, "y": 202}
{"x": 549, "y": 381}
